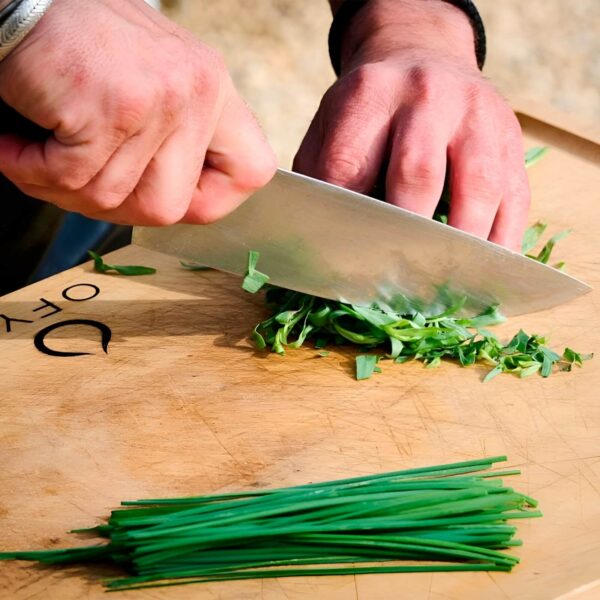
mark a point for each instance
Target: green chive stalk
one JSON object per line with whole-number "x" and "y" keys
{"x": 429, "y": 519}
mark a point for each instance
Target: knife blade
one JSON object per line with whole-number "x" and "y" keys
{"x": 318, "y": 238}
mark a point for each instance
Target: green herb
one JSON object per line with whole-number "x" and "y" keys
{"x": 533, "y": 155}
{"x": 546, "y": 251}
{"x": 254, "y": 280}
{"x": 297, "y": 318}
{"x": 366, "y": 365}
{"x": 102, "y": 267}
{"x": 454, "y": 517}
{"x": 532, "y": 236}
{"x": 570, "y": 357}
{"x": 191, "y": 266}
{"x": 534, "y": 233}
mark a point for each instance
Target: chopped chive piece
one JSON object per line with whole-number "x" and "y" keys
{"x": 191, "y": 266}
{"x": 533, "y": 155}
{"x": 102, "y": 267}
{"x": 532, "y": 236}
{"x": 546, "y": 251}
{"x": 254, "y": 280}
{"x": 365, "y": 365}
{"x": 298, "y": 318}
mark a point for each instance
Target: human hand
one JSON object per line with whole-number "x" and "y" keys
{"x": 146, "y": 126}
{"x": 411, "y": 100}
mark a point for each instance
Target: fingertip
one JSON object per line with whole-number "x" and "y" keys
{"x": 216, "y": 196}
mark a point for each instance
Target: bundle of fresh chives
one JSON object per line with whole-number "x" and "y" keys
{"x": 452, "y": 516}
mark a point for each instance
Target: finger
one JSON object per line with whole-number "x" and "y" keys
{"x": 113, "y": 184}
{"x": 239, "y": 148}
{"x": 166, "y": 187}
{"x": 417, "y": 166}
{"x": 238, "y": 162}
{"x": 215, "y": 197}
{"x": 511, "y": 220}
{"x": 307, "y": 157}
{"x": 347, "y": 140}
{"x": 475, "y": 182}
{"x": 67, "y": 164}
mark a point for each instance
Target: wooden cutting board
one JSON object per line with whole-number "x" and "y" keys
{"x": 181, "y": 404}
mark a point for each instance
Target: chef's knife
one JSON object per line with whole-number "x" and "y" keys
{"x": 324, "y": 240}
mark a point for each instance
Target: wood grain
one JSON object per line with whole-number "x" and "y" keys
{"x": 182, "y": 404}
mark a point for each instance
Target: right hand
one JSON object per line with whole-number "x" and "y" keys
{"x": 146, "y": 126}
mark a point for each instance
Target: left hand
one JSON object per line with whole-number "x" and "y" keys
{"x": 411, "y": 99}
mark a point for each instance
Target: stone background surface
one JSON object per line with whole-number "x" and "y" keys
{"x": 547, "y": 50}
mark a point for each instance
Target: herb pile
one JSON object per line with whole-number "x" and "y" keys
{"x": 299, "y": 317}
{"x": 403, "y": 336}
{"x": 454, "y": 516}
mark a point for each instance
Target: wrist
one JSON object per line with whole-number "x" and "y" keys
{"x": 20, "y": 18}
{"x": 387, "y": 28}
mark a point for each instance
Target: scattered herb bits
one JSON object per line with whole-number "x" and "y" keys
{"x": 535, "y": 154}
{"x": 192, "y": 266}
{"x": 366, "y": 365}
{"x": 102, "y": 267}
{"x": 254, "y": 279}
{"x": 297, "y": 318}
{"x": 452, "y": 517}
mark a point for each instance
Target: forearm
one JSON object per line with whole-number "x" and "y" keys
{"x": 17, "y": 19}
{"x": 389, "y": 26}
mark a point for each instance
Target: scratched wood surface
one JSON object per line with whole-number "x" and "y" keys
{"x": 181, "y": 404}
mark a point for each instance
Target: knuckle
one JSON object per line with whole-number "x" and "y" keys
{"x": 102, "y": 199}
{"x": 423, "y": 81}
{"x": 417, "y": 169}
{"x": 162, "y": 219}
{"x": 362, "y": 88}
{"x": 130, "y": 110}
{"x": 345, "y": 168}
{"x": 483, "y": 179}
{"x": 174, "y": 96}
{"x": 71, "y": 178}
{"x": 162, "y": 214}
{"x": 205, "y": 213}
{"x": 210, "y": 71}
{"x": 206, "y": 216}
{"x": 259, "y": 173}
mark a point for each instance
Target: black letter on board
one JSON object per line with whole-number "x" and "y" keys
{"x": 40, "y": 336}
{"x": 8, "y": 320}
{"x": 47, "y": 304}
{"x": 90, "y": 285}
